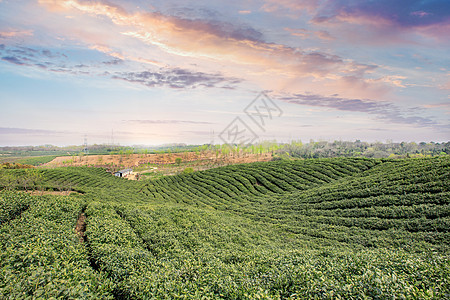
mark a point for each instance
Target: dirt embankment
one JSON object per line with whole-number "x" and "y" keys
{"x": 135, "y": 160}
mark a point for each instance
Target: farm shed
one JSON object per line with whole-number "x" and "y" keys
{"x": 123, "y": 173}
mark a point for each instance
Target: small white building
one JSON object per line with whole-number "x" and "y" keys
{"x": 123, "y": 173}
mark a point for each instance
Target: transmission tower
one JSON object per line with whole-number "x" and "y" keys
{"x": 85, "y": 144}
{"x": 112, "y": 137}
{"x": 212, "y": 138}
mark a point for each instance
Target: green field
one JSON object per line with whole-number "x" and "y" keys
{"x": 341, "y": 228}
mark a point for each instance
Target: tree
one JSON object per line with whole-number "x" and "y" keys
{"x": 7, "y": 181}
{"x": 29, "y": 179}
{"x": 188, "y": 170}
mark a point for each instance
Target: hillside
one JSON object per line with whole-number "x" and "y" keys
{"x": 321, "y": 228}
{"x": 134, "y": 160}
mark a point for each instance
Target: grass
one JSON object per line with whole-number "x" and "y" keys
{"x": 37, "y": 161}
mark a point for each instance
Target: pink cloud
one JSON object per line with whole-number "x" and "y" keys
{"x": 119, "y": 55}
{"x": 15, "y": 33}
{"x": 380, "y": 110}
{"x": 324, "y": 35}
{"x": 438, "y": 32}
{"x": 200, "y": 38}
{"x": 240, "y": 54}
{"x": 445, "y": 86}
{"x": 305, "y": 33}
{"x": 300, "y": 32}
{"x": 438, "y": 105}
{"x": 420, "y": 13}
{"x": 293, "y": 5}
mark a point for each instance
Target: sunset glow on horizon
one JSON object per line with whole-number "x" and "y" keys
{"x": 155, "y": 72}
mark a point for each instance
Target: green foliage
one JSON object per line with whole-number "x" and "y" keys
{"x": 362, "y": 149}
{"x": 40, "y": 255}
{"x": 188, "y": 170}
{"x": 38, "y": 160}
{"x": 12, "y": 204}
{"x": 15, "y": 166}
{"x": 348, "y": 228}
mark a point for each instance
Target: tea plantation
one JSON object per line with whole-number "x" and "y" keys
{"x": 341, "y": 228}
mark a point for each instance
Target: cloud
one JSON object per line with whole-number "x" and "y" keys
{"x": 167, "y": 122}
{"x": 372, "y": 22}
{"x": 220, "y": 29}
{"x": 168, "y": 77}
{"x": 291, "y": 5}
{"x": 394, "y": 80}
{"x": 14, "y": 60}
{"x": 121, "y": 57}
{"x": 175, "y": 78}
{"x": 324, "y": 35}
{"x": 245, "y": 12}
{"x": 113, "y": 62}
{"x": 221, "y": 42}
{"x": 119, "y": 16}
{"x": 49, "y": 54}
{"x": 438, "y": 105}
{"x": 31, "y": 55}
{"x": 374, "y": 129}
{"x": 420, "y": 13}
{"x": 405, "y": 13}
{"x": 56, "y": 62}
{"x": 306, "y": 33}
{"x": 15, "y": 33}
{"x": 382, "y": 110}
{"x": 26, "y": 131}
{"x": 386, "y": 20}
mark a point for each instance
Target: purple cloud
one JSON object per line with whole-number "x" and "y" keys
{"x": 382, "y": 110}
{"x": 113, "y": 62}
{"x": 26, "y": 131}
{"x": 212, "y": 22}
{"x": 175, "y": 78}
{"x": 25, "y": 56}
{"x": 403, "y": 13}
{"x": 221, "y": 29}
{"x": 168, "y": 122}
{"x": 13, "y": 60}
{"x": 420, "y": 13}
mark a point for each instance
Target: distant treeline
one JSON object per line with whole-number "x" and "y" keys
{"x": 324, "y": 149}
{"x": 43, "y": 150}
{"x": 294, "y": 149}
{"x": 60, "y": 151}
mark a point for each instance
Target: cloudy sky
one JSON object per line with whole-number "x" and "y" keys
{"x": 153, "y": 72}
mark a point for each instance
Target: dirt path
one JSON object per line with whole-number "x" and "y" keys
{"x": 80, "y": 228}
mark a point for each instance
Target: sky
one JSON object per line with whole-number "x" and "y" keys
{"x": 195, "y": 72}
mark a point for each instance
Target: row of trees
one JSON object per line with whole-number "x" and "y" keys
{"x": 362, "y": 149}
